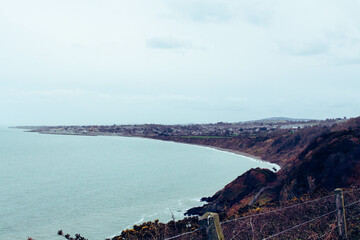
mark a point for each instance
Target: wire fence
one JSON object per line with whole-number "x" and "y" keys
{"x": 352, "y": 213}
{"x": 312, "y": 219}
{"x": 303, "y": 219}
{"x": 188, "y": 235}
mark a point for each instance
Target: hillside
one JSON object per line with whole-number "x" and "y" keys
{"x": 315, "y": 160}
{"x": 280, "y": 146}
{"x": 318, "y": 159}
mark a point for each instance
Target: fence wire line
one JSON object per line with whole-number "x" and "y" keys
{"x": 351, "y": 218}
{"x": 356, "y": 215}
{"x": 324, "y": 235}
{"x": 353, "y": 190}
{"x": 286, "y": 230}
{"x": 296, "y": 226}
{"x": 276, "y": 210}
{"x": 180, "y": 235}
{"x": 350, "y": 204}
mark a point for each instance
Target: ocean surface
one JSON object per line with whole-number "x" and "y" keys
{"x": 98, "y": 186}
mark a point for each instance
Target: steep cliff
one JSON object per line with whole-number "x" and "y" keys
{"x": 330, "y": 161}
{"x": 239, "y": 192}
{"x": 320, "y": 159}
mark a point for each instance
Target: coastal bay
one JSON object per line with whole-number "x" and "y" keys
{"x": 101, "y": 185}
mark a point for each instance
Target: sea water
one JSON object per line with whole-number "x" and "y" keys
{"x": 99, "y": 186}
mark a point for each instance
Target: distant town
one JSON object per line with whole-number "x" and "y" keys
{"x": 220, "y": 129}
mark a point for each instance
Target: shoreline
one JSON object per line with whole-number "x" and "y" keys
{"x": 236, "y": 152}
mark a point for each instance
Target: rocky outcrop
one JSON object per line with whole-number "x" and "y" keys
{"x": 330, "y": 160}
{"x": 238, "y": 193}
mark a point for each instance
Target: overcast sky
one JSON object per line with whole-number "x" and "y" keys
{"x": 177, "y": 61}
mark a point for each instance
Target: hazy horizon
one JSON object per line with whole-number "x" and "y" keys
{"x": 177, "y": 61}
{"x": 141, "y": 123}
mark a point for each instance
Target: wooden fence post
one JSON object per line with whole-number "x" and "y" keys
{"x": 210, "y": 226}
{"x": 340, "y": 214}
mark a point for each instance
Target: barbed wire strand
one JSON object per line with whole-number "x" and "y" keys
{"x": 301, "y": 224}
{"x": 326, "y": 214}
{"x": 278, "y": 209}
{"x": 180, "y": 235}
{"x": 325, "y": 234}
{"x": 353, "y": 190}
{"x": 352, "y": 217}
{"x": 350, "y": 204}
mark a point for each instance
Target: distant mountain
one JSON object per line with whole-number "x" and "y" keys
{"x": 281, "y": 119}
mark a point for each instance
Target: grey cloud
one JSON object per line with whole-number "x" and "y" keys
{"x": 347, "y": 61}
{"x": 305, "y": 49}
{"x": 77, "y": 45}
{"x": 201, "y": 11}
{"x": 168, "y": 43}
{"x": 257, "y": 19}
{"x": 257, "y": 13}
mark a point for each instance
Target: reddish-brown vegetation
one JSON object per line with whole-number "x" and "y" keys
{"x": 314, "y": 159}
{"x": 279, "y": 146}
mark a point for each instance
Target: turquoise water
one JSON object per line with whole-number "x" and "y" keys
{"x": 98, "y": 186}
